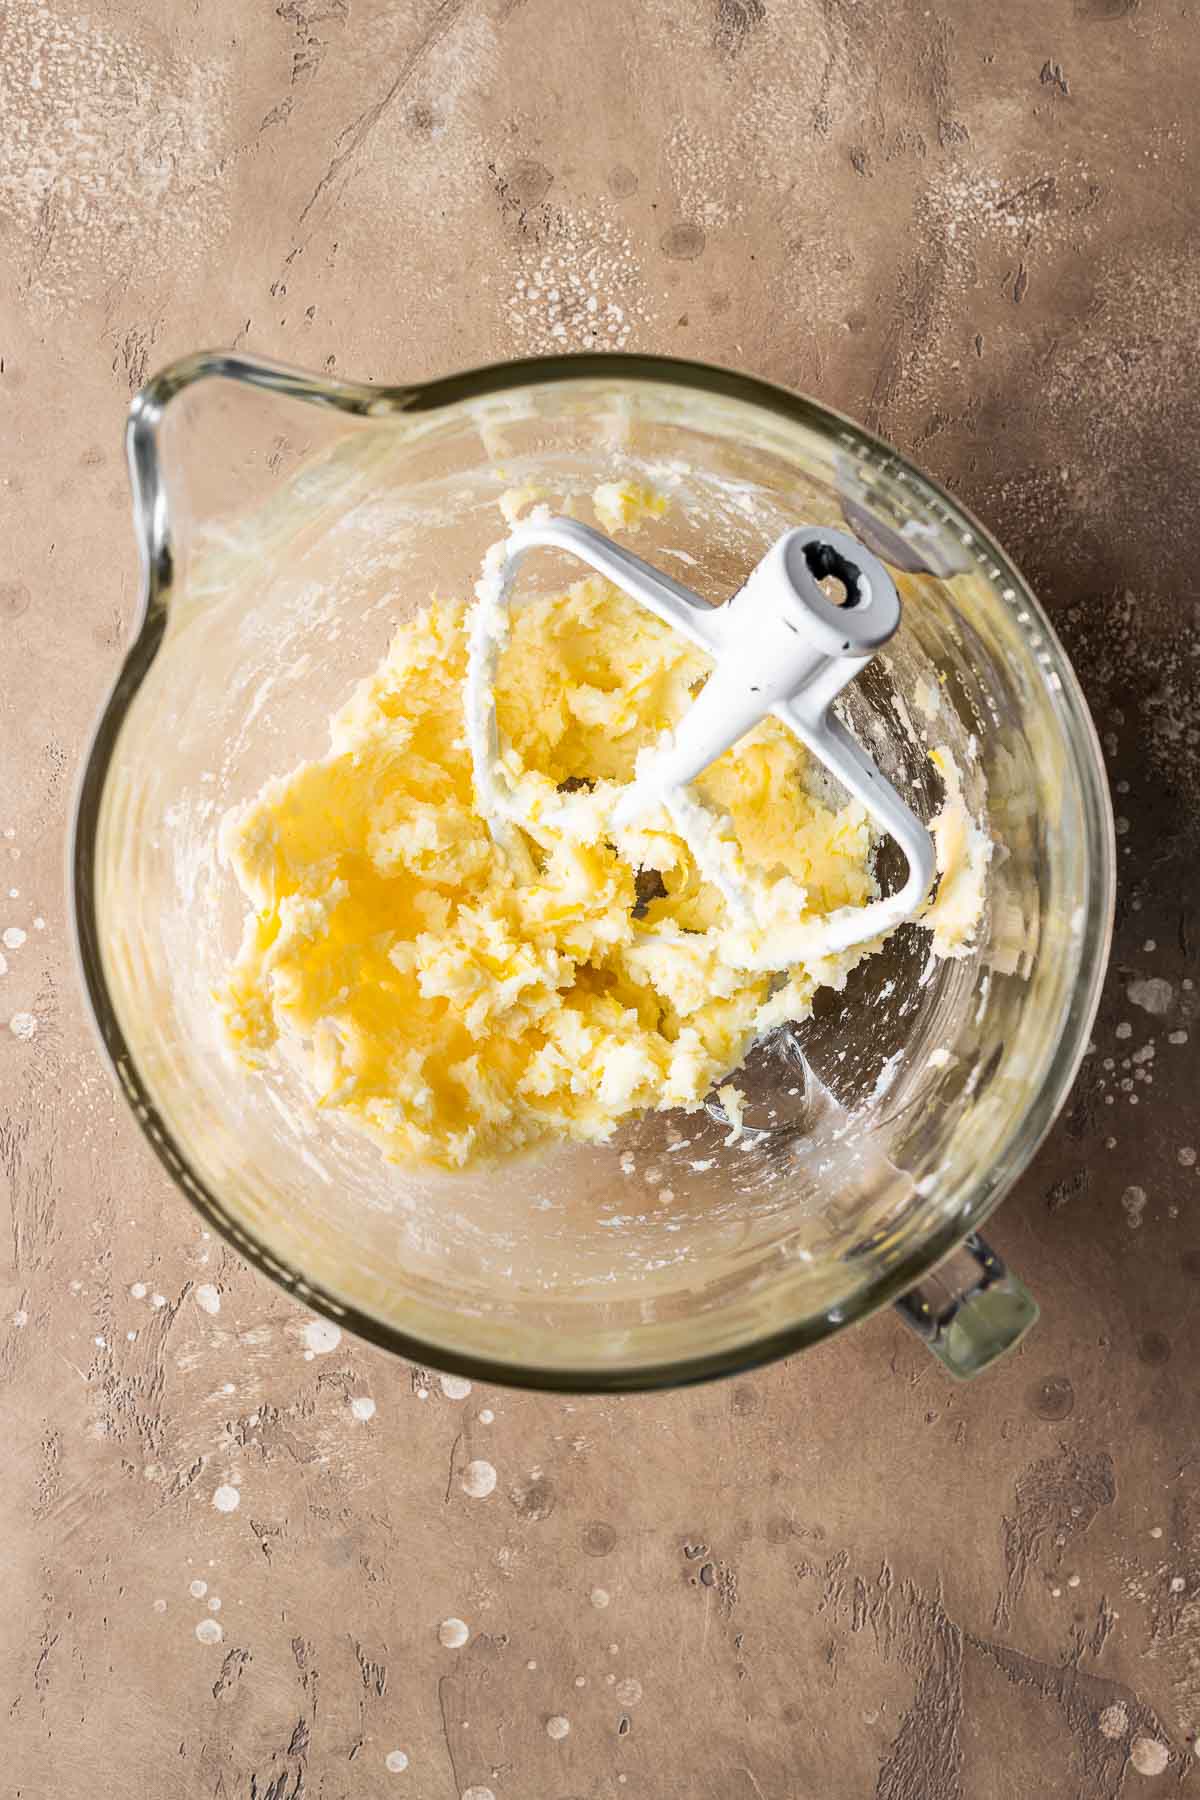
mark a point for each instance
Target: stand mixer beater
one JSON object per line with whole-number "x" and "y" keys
{"x": 783, "y": 644}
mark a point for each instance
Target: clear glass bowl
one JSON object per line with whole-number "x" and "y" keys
{"x": 287, "y": 524}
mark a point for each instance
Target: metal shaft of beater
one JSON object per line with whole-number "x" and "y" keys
{"x": 781, "y": 638}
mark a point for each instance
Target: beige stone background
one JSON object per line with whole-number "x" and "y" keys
{"x": 973, "y": 227}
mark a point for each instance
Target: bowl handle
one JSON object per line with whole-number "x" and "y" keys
{"x": 970, "y": 1309}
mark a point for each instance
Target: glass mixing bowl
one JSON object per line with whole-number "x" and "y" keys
{"x": 287, "y": 524}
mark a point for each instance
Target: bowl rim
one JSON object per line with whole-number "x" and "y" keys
{"x": 365, "y": 399}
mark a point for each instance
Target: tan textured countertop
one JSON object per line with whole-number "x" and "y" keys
{"x": 974, "y": 228}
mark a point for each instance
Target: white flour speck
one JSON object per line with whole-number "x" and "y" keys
{"x": 226, "y": 1498}
{"x": 395, "y": 1762}
{"x": 1153, "y": 995}
{"x": 363, "y": 1407}
{"x": 1177, "y": 1584}
{"x": 227, "y": 1387}
{"x": 485, "y": 1415}
{"x": 23, "y": 1025}
{"x": 158, "y": 1301}
{"x": 1187, "y": 1156}
{"x": 39, "y": 924}
{"x": 138, "y": 1291}
{"x": 629, "y": 1691}
{"x": 160, "y": 1606}
{"x": 1134, "y": 1202}
{"x": 478, "y": 1793}
{"x": 214, "y": 1603}
{"x": 455, "y": 1387}
{"x": 478, "y": 1479}
{"x": 208, "y": 1299}
{"x": 20, "y": 1318}
{"x": 557, "y": 1727}
{"x": 209, "y": 1632}
{"x": 599, "y": 1597}
{"x": 321, "y": 1336}
{"x": 1148, "y": 1756}
{"x": 13, "y": 938}
{"x": 1114, "y": 1721}
{"x": 197, "y": 1589}
{"x": 453, "y": 1634}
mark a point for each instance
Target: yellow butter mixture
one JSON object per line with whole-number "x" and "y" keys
{"x": 458, "y": 1003}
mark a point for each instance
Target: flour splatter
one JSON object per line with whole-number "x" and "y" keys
{"x": 558, "y": 1727}
{"x": 453, "y": 1634}
{"x": 113, "y": 157}
{"x": 209, "y": 1631}
{"x": 363, "y": 1407}
{"x": 226, "y": 1498}
{"x": 1153, "y": 995}
{"x": 478, "y": 1479}
{"x": 455, "y": 1387}
{"x": 1134, "y": 1202}
{"x": 321, "y": 1336}
{"x": 208, "y": 1298}
{"x": 585, "y": 291}
{"x": 23, "y": 1025}
{"x": 1148, "y": 1756}
{"x": 13, "y": 938}
{"x": 395, "y": 1762}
